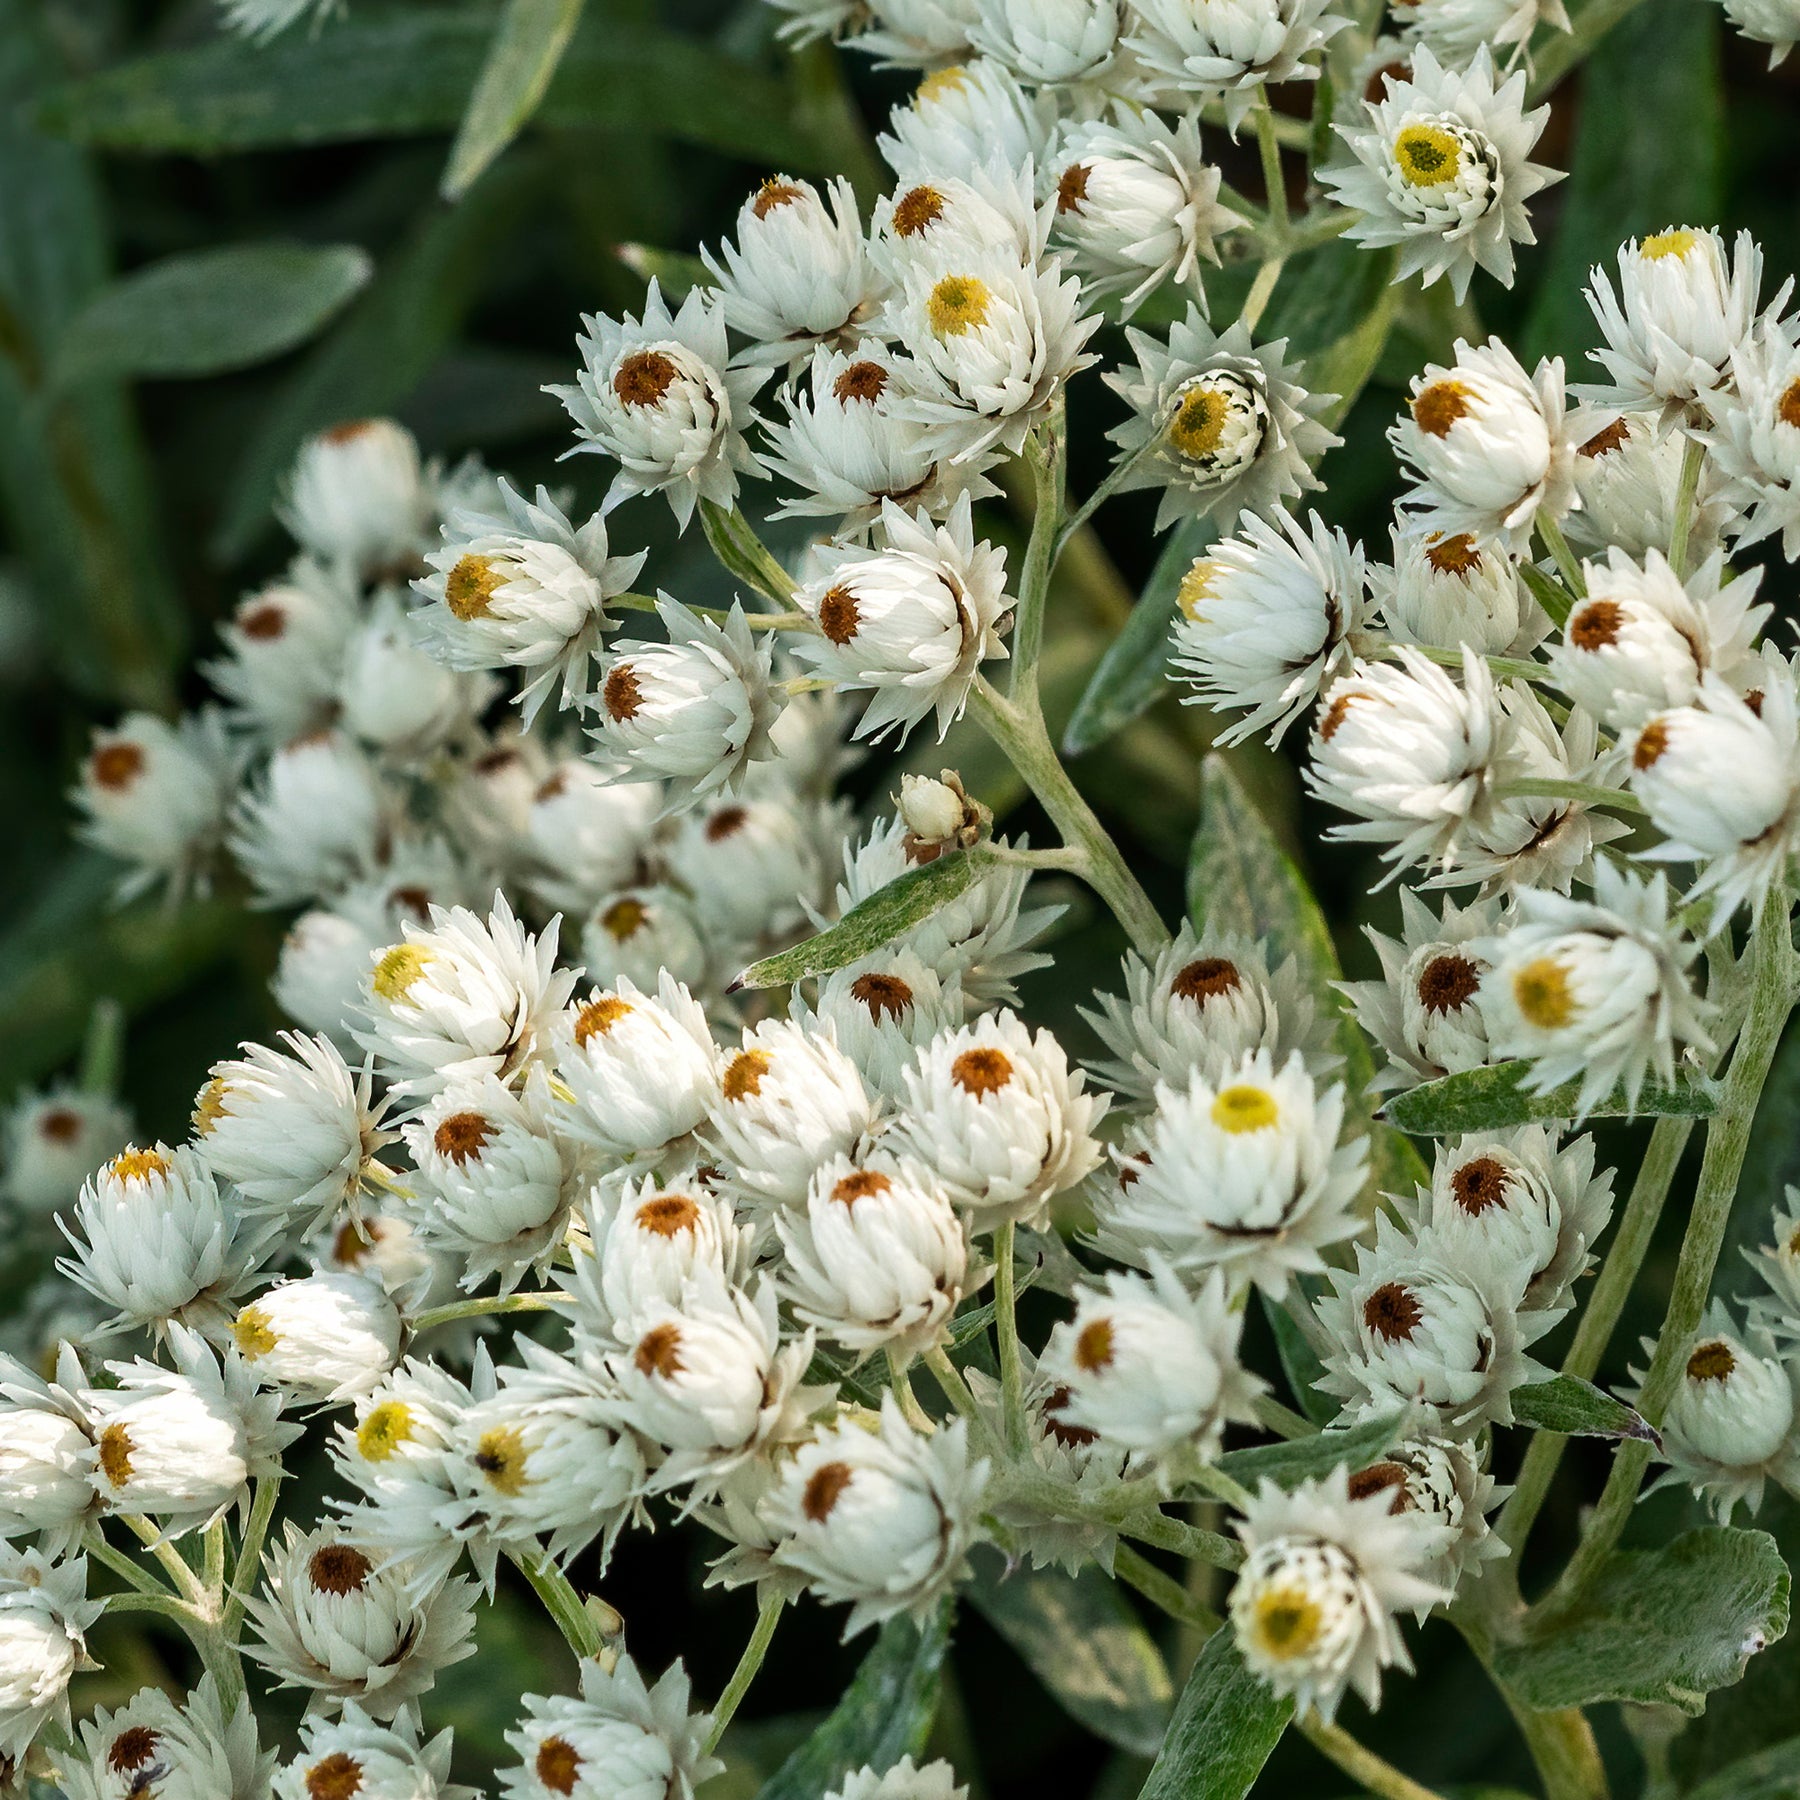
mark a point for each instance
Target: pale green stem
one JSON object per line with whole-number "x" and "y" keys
{"x": 1192, "y": 1541}
{"x": 561, "y": 1602}
{"x": 1693, "y": 458}
{"x": 1268, "y": 143}
{"x": 1163, "y": 1592}
{"x": 1115, "y": 476}
{"x": 1563, "y": 1748}
{"x": 1727, "y": 1137}
{"x": 184, "y": 1578}
{"x": 1376, "y": 1774}
{"x": 1271, "y": 1415}
{"x": 898, "y": 1379}
{"x": 735, "y": 543}
{"x": 1503, "y": 668}
{"x": 1221, "y": 1486}
{"x": 1588, "y": 793}
{"x": 1044, "y": 458}
{"x": 1257, "y": 300}
{"x": 1006, "y": 1328}
{"x": 164, "y": 1604}
{"x": 102, "y": 1050}
{"x": 767, "y": 1618}
{"x": 121, "y": 1565}
{"x": 213, "y": 1571}
{"x": 1558, "y": 546}
{"x": 486, "y": 1305}
{"x": 950, "y": 1381}
{"x": 249, "y": 1557}
{"x": 778, "y": 621}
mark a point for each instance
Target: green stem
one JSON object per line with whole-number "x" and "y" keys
{"x": 1558, "y": 546}
{"x": 1194, "y": 1542}
{"x": 767, "y": 1618}
{"x": 1274, "y": 183}
{"x": 485, "y": 1306}
{"x": 249, "y": 1557}
{"x": 1257, "y": 300}
{"x": 735, "y": 543}
{"x": 1588, "y": 793}
{"x": 1376, "y": 1774}
{"x": 899, "y": 1381}
{"x": 561, "y": 1602}
{"x": 103, "y": 1048}
{"x": 1163, "y": 1592}
{"x": 780, "y": 621}
{"x": 1563, "y": 1748}
{"x": 1006, "y": 1328}
{"x": 950, "y": 1381}
{"x": 1271, "y": 1415}
{"x": 1044, "y": 458}
{"x": 1693, "y": 459}
{"x": 1115, "y": 478}
{"x": 187, "y": 1584}
{"x": 122, "y": 1566}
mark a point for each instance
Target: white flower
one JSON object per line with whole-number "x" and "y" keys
{"x": 658, "y": 394}
{"x": 796, "y": 273}
{"x": 330, "y": 1621}
{"x": 1228, "y": 49}
{"x": 881, "y": 1010}
{"x": 695, "y": 712}
{"x": 1049, "y": 43}
{"x": 1755, "y": 439}
{"x": 586, "y": 835}
{"x": 1486, "y": 446}
{"x": 1681, "y": 307}
{"x": 620, "y": 1740}
{"x": 47, "y": 1457}
{"x": 1408, "y": 1323}
{"x": 1441, "y": 168}
{"x": 1628, "y": 479}
{"x": 1442, "y": 1481}
{"x": 1324, "y": 1574}
{"x": 634, "y": 933}
{"x": 358, "y": 497}
{"x": 754, "y": 867}
{"x": 642, "y": 1068}
{"x": 876, "y": 1258}
{"x": 878, "y": 1516}
{"x": 325, "y": 1336}
{"x": 1152, "y": 1369}
{"x": 1218, "y": 423}
{"x": 1772, "y": 22}
{"x": 1138, "y": 205}
{"x": 314, "y": 822}
{"x": 154, "y": 795}
{"x": 285, "y": 650}
{"x": 1458, "y": 31}
{"x": 396, "y": 696}
{"x": 155, "y": 1240}
{"x": 1268, "y": 617}
{"x": 919, "y": 33}
{"x": 913, "y": 621}
{"x": 156, "y": 1744}
{"x": 965, "y": 119}
{"x": 1596, "y": 992}
{"x": 528, "y": 591}
{"x": 999, "y": 1116}
{"x": 905, "y": 1780}
{"x": 385, "y": 1247}
{"x": 1445, "y": 592}
{"x": 466, "y": 997}
{"x": 45, "y": 1615}
{"x": 50, "y": 1143}
{"x": 1247, "y": 1173}
{"x": 353, "y": 1755}
{"x": 1643, "y": 640}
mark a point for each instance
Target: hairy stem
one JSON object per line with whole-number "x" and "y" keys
{"x": 1587, "y": 793}
{"x": 565, "y": 1607}
{"x": 249, "y": 1556}
{"x": 1044, "y": 458}
{"x": 1558, "y": 546}
{"x": 1377, "y": 1775}
{"x": 1563, "y": 1748}
{"x": 1163, "y": 1592}
{"x": 767, "y": 1618}
{"x": 484, "y": 1306}
{"x": 1006, "y": 1329}
{"x": 1693, "y": 457}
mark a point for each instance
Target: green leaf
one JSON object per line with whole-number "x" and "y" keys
{"x": 403, "y": 74}
{"x": 1577, "y": 1408}
{"x": 1549, "y": 593}
{"x": 885, "y": 1713}
{"x": 1289, "y": 1464}
{"x": 1225, "y": 1727}
{"x": 1299, "y": 1363}
{"x": 878, "y": 920}
{"x": 1079, "y": 1636}
{"x": 1336, "y": 305}
{"x": 1661, "y": 1626}
{"x": 1771, "y": 1774}
{"x": 1771, "y": 1166}
{"x": 1493, "y": 1098}
{"x": 210, "y": 312}
{"x": 1131, "y": 674}
{"x": 528, "y": 44}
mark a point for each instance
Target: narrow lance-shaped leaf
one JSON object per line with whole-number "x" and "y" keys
{"x": 1299, "y": 1360}
{"x": 211, "y": 312}
{"x": 1289, "y": 1464}
{"x": 1225, "y": 1727}
{"x": 1577, "y": 1408}
{"x": 528, "y": 44}
{"x": 878, "y": 920}
{"x": 1494, "y": 1098}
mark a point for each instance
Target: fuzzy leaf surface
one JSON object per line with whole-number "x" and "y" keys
{"x": 1288, "y": 1464}
{"x": 527, "y": 45}
{"x": 1226, "y": 1725}
{"x": 1492, "y": 1099}
{"x": 1577, "y": 1408}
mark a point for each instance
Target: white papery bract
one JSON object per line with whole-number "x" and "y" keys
{"x": 1593, "y": 991}
{"x": 659, "y": 396}
{"x": 620, "y": 1740}
{"x": 1777, "y": 1260}
{"x": 1268, "y": 617}
{"x": 906, "y": 1780}
{"x": 1444, "y": 592}
{"x": 1458, "y": 31}
{"x": 1062, "y": 43}
{"x": 1772, "y": 22}
{"x": 1443, "y": 1482}
{"x": 586, "y": 836}
{"x": 355, "y": 1755}
{"x": 878, "y": 1515}
{"x": 45, "y": 1615}
{"x": 50, "y": 1143}
{"x": 315, "y": 820}
{"x": 1313, "y": 1608}
{"x": 966, "y": 119}
{"x": 285, "y": 651}
{"x": 1628, "y": 480}
{"x": 1218, "y": 423}
{"x": 1755, "y": 437}
{"x": 396, "y": 698}
{"x": 47, "y": 1455}
{"x": 1228, "y": 49}
{"x": 634, "y": 933}
{"x": 189, "y": 1748}
{"x": 1441, "y": 168}
{"x": 359, "y": 498}
{"x": 326, "y": 1336}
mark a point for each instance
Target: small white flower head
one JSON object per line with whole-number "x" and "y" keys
{"x": 314, "y": 822}
{"x": 754, "y": 868}
{"x": 181, "y": 1445}
{"x": 1219, "y": 424}
{"x": 1754, "y": 445}
{"x": 1050, "y": 43}
{"x": 877, "y": 1515}
{"x": 333, "y": 1621}
{"x": 50, "y": 1143}
{"x": 467, "y": 997}
{"x": 1485, "y": 444}
{"x": 912, "y": 621}
{"x": 1458, "y": 31}
{"x": 1682, "y": 305}
{"x": 876, "y": 1259}
{"x": 926, "y": 221}
{"x": 1425, "y": 1012}
{"x": 1628, "y": 479}
{"x": 1441, "y": 167}
{"x": 642, "y": 1069}
{"x": 881, "y": 1010}
{"x": 1001, "y": 1118}
{"x": 285, "y": 651}
{"x": 326, "y": 1336}
{"x": 585, "y": 836}
{"x": 155, "y": 1240}
{"x": 1314, "y": 1605}
{"x": 384, "y": 1246}
{"x": 1772, "y": 22}
{"x": 398, "y": 698}
{"x": 156, "y": 1744}
{"x": 359, "y": 499}
{"x": 45, "y": 1615}
{"x": 1151, "y": 1369}
{"x": 709, "y": 1380}
{"x": 695, "y": 712}
{"x": 1721, "y": 781}
{"x": 788, "y": 1100}
{"x": 528, "y": 591}
{"x": 634, "y": 933}
{"x": 1268, "y": 618}
{"x": 621, "y": 1740}
{"x": 292, "y": 1131}
{"x": 354, "y": 1755}
{"x": 967, "y": 119}
{"x": 1777, "y": 1261}
{"x": 797, "y": 272}
{"x": 905, "y": 1780}
{"x": 1441, "y": 1480}
{"x": 1228, "y": 49}
{"x": 401, "y": 1428}
{"x": 47, "y": 1457}
{"x": 1248, "y": 1173}
{"x": 922, "y": 34}
{"x": 154, "y": 795}
{"x": 1643, "y": 640}
{"x": 1445, "y": 592}
{"x": 1729, "y": 1426}
{"x": 1138, "y": 205}
{"x": 1408, "y": 1323}
{"x": 1593, "y": 991}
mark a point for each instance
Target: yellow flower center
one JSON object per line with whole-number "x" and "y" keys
{"x": 386, "y": 1428}
{"x": 209, "y": 1106}
{"x": 599, "y": 1016}
{"x": 958, "y": 304}
{"x": 1787, "y": 408}
{"x": 470, "y": 586}
{"x": 1245, "y": 1108}
{"x": 1675, "y": 243}
{"x": 1427, "y": 155}
{"x": 398, "y": 969}
{"x": 500, "y": 1456}
{"x": 115, "y": 1455}
{"x": 1199, "y": 422}
{"x": 138, "y": 1165}
{"x": 624, "y": 919}
{"x": 1196, "y": 586}
{"x": 1542, "y": 994}
{"x": 1436, "y": 408}
{"x": 252, "y": 1333}
{"x": 1285, "y": 1622}
{"x": 941, "y": 82}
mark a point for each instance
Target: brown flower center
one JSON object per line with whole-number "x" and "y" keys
{"x": 599, "y": 1016}
{"x": 839, "y": 615}
{"x": 1392, "y": 1312}
{"x": 335, "y": 1777}
{"x": 461, "y": 1136}
{"x": 1206, "y": 978}
{"x": 744, "y": 1073}
{"x": 558, "y": 1765}
{"x": 264, "y": 621}
{"x": 860, "y": 381}
{"x": 981, "y": 1071}
{"x": 1453, "y": 555}
{"x": 1596, "y": 625}
{"x": 860, "y": 1184}
{"x": 1479, "y": 1185}
{"x": 644, "y": 377}
{"x": 917, "y": 208}
{"x": 1382, "y": 1477}
{"x": 115, "y": 766}
{"x": 668, "y": 1215}
{"x": 773, "y": 195}
{"x": 1072, "y": 189}
{"x": 339, "y": 1569}
{"x": 727, "y": 822}
{"x": 1436, "y": 408}
{"x": 824, "y": 1487}
{"x": 620, "y": 693}
{"x": 886, "y": 996}
{"x": 1094, "y": 1346}
{"x": 659, "y": 1351}
{"x": 1712, "y": 1362}
{"x": 131, "y": 1749}
{"x": 1652, "y": 741}
{"x": 1605, "y": 441}
{"x": 1447, "y": 983}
